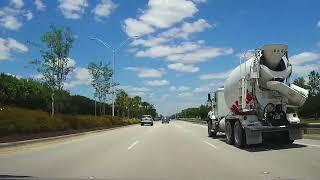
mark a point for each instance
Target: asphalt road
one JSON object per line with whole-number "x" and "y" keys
{"x": 179, "y": 150}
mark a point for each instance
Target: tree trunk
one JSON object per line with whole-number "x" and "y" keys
{"x": 52, "y": 103}
{"x": 104, "y": 109}
{"x": 100, "y": 108}
{"x": 95, "y": 107}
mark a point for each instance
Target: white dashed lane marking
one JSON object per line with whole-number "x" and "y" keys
{"x": 210, "y": 144}
{"x": 133, "y": 144}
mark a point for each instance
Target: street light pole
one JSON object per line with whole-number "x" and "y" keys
{"x": 113, "y": 81}
{"x": 114, "y": 51}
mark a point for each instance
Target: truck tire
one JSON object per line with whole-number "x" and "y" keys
{"x": 289, "y": 141}
{"x": 286, "y": 140}
{"x": 239, "y": 135}
{"x": 210, "y": 127}
{"x": 229, "y": 133}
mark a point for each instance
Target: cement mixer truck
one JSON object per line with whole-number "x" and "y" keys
{"x": 253, "y": 104}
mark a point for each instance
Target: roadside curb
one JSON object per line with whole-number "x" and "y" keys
{"x": 31, "y": 141}
{"x": 311, "y": 136}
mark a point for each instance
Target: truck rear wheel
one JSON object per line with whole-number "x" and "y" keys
{"x": 229, "y": 133}
{"x": 239, "y": 135}
{"x": 210, "y": 133}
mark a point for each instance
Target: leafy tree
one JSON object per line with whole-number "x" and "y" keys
{"x": 133, "y": 107}
{"x": 301, "y": 83}
{"x": 55, "y": 64}
{"x": 314, "y": 83}
{"x": 101, "y": 81}
{"x": 203, "y": 111}
{"x": 122, "y": 102}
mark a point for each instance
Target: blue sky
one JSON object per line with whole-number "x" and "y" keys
{"x": 184, "y": 50}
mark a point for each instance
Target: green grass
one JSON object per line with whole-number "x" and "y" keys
{"x": 24, "y": 121}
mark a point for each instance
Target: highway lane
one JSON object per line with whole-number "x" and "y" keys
{"x": 180, "y": 150}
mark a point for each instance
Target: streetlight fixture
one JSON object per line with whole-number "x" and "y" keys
{"x": 114, "y": 51}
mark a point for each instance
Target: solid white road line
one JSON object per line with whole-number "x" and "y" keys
{"x": 314, "y": 145}
{"x": 210, "y": 144}
{"x": 132, "y": 145}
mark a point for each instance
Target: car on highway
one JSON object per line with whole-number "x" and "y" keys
{"x": 165, "y": 120}
{"x": 146, "y": 119}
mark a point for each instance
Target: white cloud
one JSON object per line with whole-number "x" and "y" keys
{"x": 245, "y": 55}
{"x": 154, "y": 41}
{"x": 318, "y": 24}
{"x": 305, "y": 62}
{"x": 71, "y": 62}
{"x": 12, "y": 19}
{"x": 17, "y": 3}
{"x": 164, "y": 50}
{"x": 147, "y": 72}
{"x": 304, "y": 70}
{"x": 210, "y": 76}
{"x": 183, "y": 68}
{"x": 173, "y": 88}
{"x": 171, "y": 44}
{"x": 179, "y": 88}
{"x": 186, "y": 29}
{"x": 40, "y": 5}
{"x": 17, "y": 46}
{"x": 80, "y": 76}
{"x": 183, "y": 88}
{"x": 183, "y": 32}
{"x": 103, "y": 9}
{"x": 10, "y": 45}
{"x": 134, "y": 91}
{"x": 10, "y": 22}
{"x": 29, "y": 15}
{"x": 157, "y": 83}
{"x": 201, "y": 89}
{"x": 304, "y": 57}
{"x": 72, "y": 9}
{"x": 185, "y": 52}
{"x": 200, "y": 55}
{"x": 186, "y": 94}
{"x": 160, "y": 14}
{"x": 134, "y": 27}
{"x": 163, "y": 14}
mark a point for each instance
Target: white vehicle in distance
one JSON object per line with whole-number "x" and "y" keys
{"x": 146, "y": 119}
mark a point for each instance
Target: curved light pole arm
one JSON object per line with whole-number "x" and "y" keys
{"x": 102, "y": 42}
{"x": 126, "y": 42}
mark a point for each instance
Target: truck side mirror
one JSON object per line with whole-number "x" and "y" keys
{"x": 209, "y": 97}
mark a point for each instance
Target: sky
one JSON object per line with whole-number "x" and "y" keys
{"x": 174, "y": 51}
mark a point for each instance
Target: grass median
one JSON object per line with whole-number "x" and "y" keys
{"x": 20, "y": 124}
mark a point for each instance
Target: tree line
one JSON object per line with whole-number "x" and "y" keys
{"x": 49, "y": 94}
{"x": 311, "y": 108}
{"x": 198, "y": 112}
{"x": 33, "y": 94}
{"x": 133, "y": 106}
